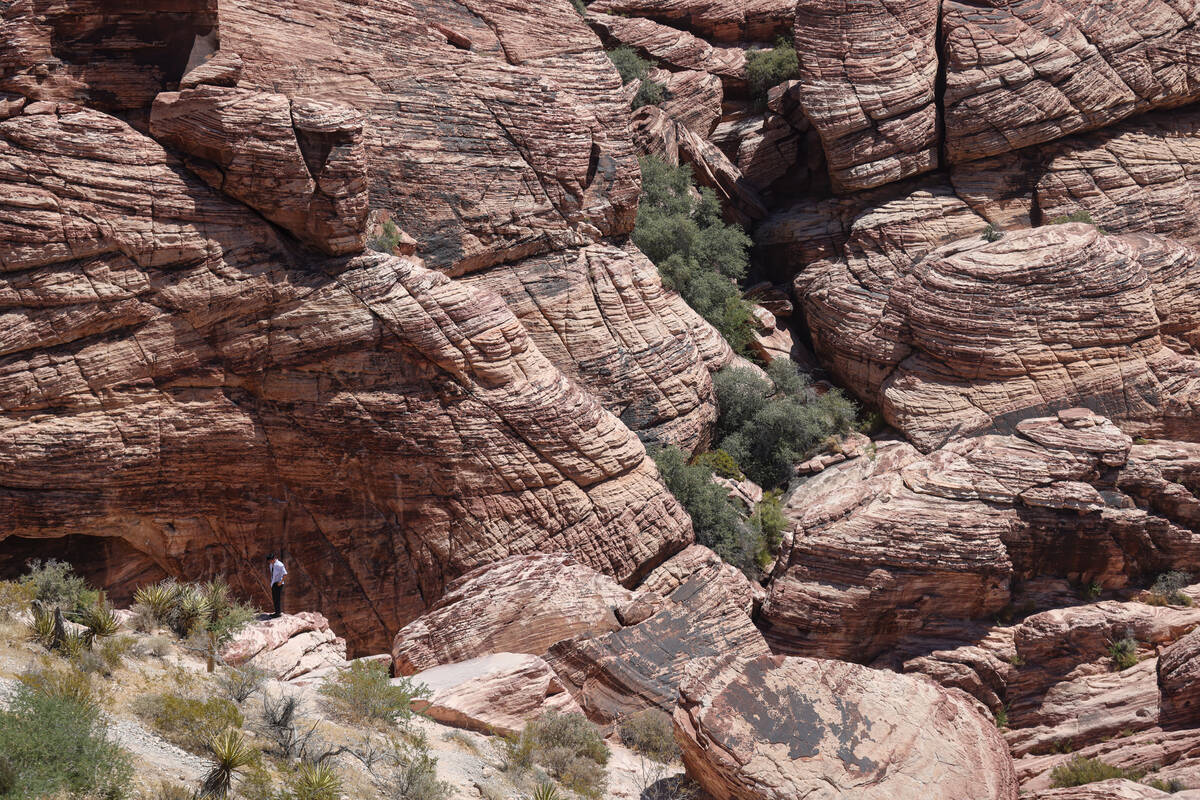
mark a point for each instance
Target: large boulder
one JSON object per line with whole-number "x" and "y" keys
{"x": 779, "y": 728}
{"x": 287, "y": 647}
{"x": 979, "y": 333}
{"x": 1179, "y": 681}
{"x": 522, "y": 604}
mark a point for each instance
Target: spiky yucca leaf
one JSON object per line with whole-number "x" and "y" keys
{"x": 191, "y": 611}
{"x": 100, "y": 620}
{"x": 158, "y": 598}
{"x": 546, "y": 791}
{"x": 230, "y": 754}
{"x": 41, "y": 627}
{"x": 316, "y": 782}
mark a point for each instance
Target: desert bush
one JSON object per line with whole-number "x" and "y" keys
{"x": 55, "y": 583}
{"x": 63, "y": 682}
{"x": 569, "y": 747}
{"x": 54, "y": 745}
{"x": 364, "y": 692}
{"x": 720, "y": 463}
{"x": 238, "y": 683}
{"x": 770, "y": 523}
{"x": 631, "y": 66}
{"x": 191, "y": 608}
{"x": 1078, "y": 216}
{"x": 697, "y": 254}
{"x": 114, "y": 649}
{"x": 293, "y": 736}
{"x": 1123, "y": 653}
{"x": 1167, "y": 590}
{"x": 387, "y": 240}
{"x": 1079, "y": 771}
{"x": 415, "y": 778}
{"x": 313, "y": 782}
{"x": 546, "y": 791}
{"x": 992, "y": 234}
{"x": 100, "y": 620}
{"x": 158, "y": 646}
{"x": 157, "y": 599}
{"x": 650, "y": 733}
{"x": 767, "y": 426}
{"x": 715, "y": 519}
{"x": 189, "y": 722}
{"x": 1170, "y": 786}
{"x": 767, "y": 68}
{"x": 15, "y": 597}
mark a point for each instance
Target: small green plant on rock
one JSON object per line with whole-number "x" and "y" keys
{"x": 650, "y": 733}
{"x": 1077, "y": 216}
{"x": 1167, "y": 590}
{"x": 767, "y": 68}
{"x": 1123, "y": 653}
{"x": 630, "y": 66}
{"x": 364, "y": 692}
{"x": 1079, "y": 771}
{"x": 992, "y": 234}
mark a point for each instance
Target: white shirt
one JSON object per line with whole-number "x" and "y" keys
{"x": 278, "y": 570}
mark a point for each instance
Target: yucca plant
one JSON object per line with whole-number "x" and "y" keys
{"x": 230, "y": 754}
{"x": 100, "y": 621}
{"x": 316, "y": 782}
{"x": 191, "y": 611}
{"x": 41, "y": 627}
{"x": 219, "y": 598}
{"x": 159, "y": 599}
{"x": 546, "y": 791}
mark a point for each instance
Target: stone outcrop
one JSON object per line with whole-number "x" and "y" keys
{"x": 702, "y": 628}
{"x": 1179, "y": 681}
{"x": 1020, "y": 73}
{"x": 1116, "y": 789}
{"x": 385, "y": 427}
{"x": 288, "y": 646}
{"x": 867, "y": 75}
{"x": 880, "y": 551}
{"x": 302, "y": 164}
{"x": 672, "y": 48}
{"x": 690, "y": 97}
{"x": 1072, "y": 316}
{"x": 493, "y": 694}
{"x": 715, "y": 20}
{"x": 781, "y": 727}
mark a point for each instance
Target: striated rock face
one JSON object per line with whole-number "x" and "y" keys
{"x": 673, "y": 48}
{"x": 287, "y": 647}
{"x": 522, "y": 604}
{"x": 1119, "y": 789}
{"x": 301, "y": 164}
{"x": 715, "y": 20}
{"x": 867, "y": 73}
{"x": 493, "y": 694}
{"x": 1179, "y": 681}
{"x": 1024, "y": 72}
{"x": 1072, "y": 316}
{"x": 916, "y": 542}
{"x": 702, "y": 628}
{"x": 211, "y": 383}
{"x": 780, "y": 728}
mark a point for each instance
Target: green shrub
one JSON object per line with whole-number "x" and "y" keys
{"x": 650, "y": 733}
{"x": 767, "y": 429}
{"x": 1123, "y": 653}
{"x": 187, "y": 608}
{"x": 63, "y": 682}
{"x": 1079, "y": 771}
{"x": 715, "y": 519}
{"x": 696, "y": 253}
{"x": 189, "y": 722}
{"x": 1169, "y": 786}
{"x": 387, "y": 240}
{"x": 631, "y": 66}
{"x": 992, "y": 234}
{"x": 314, "y": 782}
{"x": 767, "y": 68}
{"x": 100, "y": 620}
{"x": 569, "y": 747}
{"x": 416, "y": 778}
{"x": 1078, "y": 216}
{"x": 238, "y": 683}
{"x": 53, "y": 745}
{"x": 720, "y": 463}
{"x": 15, "y": 597}
{"x": 769, "y": 521}
{"x": 1001, "y": 716}
{"x": 579, "y": 6}
{"x": 363, "y": 692}
{"x": 1167, "y": 590}
{"x": 55, "y": 583}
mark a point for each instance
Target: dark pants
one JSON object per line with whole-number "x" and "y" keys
{"x": 277, "y": 597}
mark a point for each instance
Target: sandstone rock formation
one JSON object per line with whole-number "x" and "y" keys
{"x": 496, "y": 693}
{"x": 672, "y": 48}
{"x": 389, "y": 429}
{"x": 288, "y": 646}
{"x": 1178, "y": 668}
{"x": 1072, "y": 316}
{"x": 781, "y": 728}
{"x": 521, "y": 604}
{"x": 867, "y": 74}
{"x": 901, "y": 548}
{"x": 1030, "y": 71}
{"x": 716, "y": 20}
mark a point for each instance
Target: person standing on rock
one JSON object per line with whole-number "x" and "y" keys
{"x": 278, "y": 573}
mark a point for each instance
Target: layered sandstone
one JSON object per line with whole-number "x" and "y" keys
{"x": 288, "y": 646}
{"x": 780, "y": 728}
{"x": 1071, "y": 316}
{"x": 715, "y": 20}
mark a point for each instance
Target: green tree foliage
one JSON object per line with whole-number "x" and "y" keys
{"x": 696, "y": 253}
{"x": 631, "y": 66}
{"x": 767, "y": 68}
{"x": 715, "y": 519}
{"x": 767, "y": 429}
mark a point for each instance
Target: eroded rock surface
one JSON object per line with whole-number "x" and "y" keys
{"x": 780, "y": 728}
{"x": 288, "y": 646}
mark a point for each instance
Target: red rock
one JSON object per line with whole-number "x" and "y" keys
{"x": 301, "y": 164}
{"x": 783, "y": 728}
{"x": 716, "y": 20}
{"x": 1169, "y": 754}
{"x": 1118, "y": 789}
{"x": 672, "y": 48}
{"x": 287, "y": 647}
{"x": 522, "y": 604}
{"x": 387, "y": 428}
{"x": 1179, "y": 681}
{"x": 492, "y": 694}
{"x": 703, "y": 628}
{"x": 867, "y": 74}
{"x": 1024, "y": 72}
{"x": 699, "y": 560}
{"x": 690, "y": 97}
